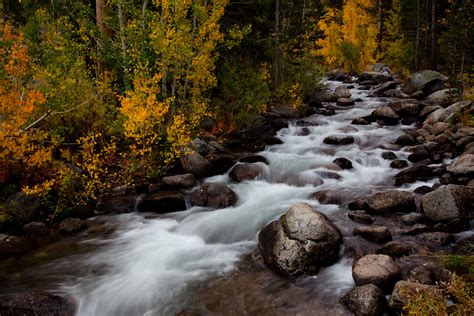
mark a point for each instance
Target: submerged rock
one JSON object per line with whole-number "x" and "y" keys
{"x": 339, "y": 140}
{"x": 246, "y": 171}
{"x": 214, "y": 195}
{"x": 36, "y": 303}
{"x": 301, "y": 241}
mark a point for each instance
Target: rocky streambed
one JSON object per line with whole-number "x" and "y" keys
{"x": 330, "y": 213}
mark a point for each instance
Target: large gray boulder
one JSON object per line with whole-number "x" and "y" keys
{"x": 301, "y": 241}
{"x": 380, "y": 89}
{"x": 448, "y": 202}
{"x": 213, "y": 195}
{"x": 365, "y": 300}
{"x": 181, "y": 181}
{"x": 246, "y": 171}
{"x": 375, "y": 233}
{"x": 391, "y": 201}
{"x": 462, "y": 165}
{"x": 447, "y": 114}
{"x": 403, "y": 290}
{"x": 386, "y": 114}
{"x": 22, "y": 208}
{"x": 36, "y": 303}
{"x": 427, "y": 81}
{"x": 380, "y": 270}
{"x": 326, "y": 96}
{"x": 196, "y": 164}
{"x": 441, "y": 97}
{"x": 406, "y": 108}
{"x": 342, "y": 92}
{"x": 376, "y": 76}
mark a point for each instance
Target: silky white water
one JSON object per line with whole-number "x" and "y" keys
{"x": 152, "y": 266}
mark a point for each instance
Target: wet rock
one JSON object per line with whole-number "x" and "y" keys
{"x": 416, "y": 229}
{"x": 12, "y": 246}
{"x": 117, "y": 204}
{"x": 72, "y": 225}
{"x": 420, "y": 274}
{"x": 342, "y": 162}
{"x": 386, "y": 114}
{"x": 214, "y": 195}
{"x": 327, "y": 197}
{"x": 162, "y": 202}
{"x": 342, "y": 92}
{"x": 254, "y": 159}
{"x": 360, "y": 216}
{"x": 427, "y": 110}
{"x": 221, "y": 163}
{"x": 328, "y": 175}
{"x": 448, "y": 202}
{"x": 339, "y": 140}
{"x": 418, "y": 95}
{"x": 391, "y": 201}
{"x": 423, "y": 190}
{"x": 374, "y": 76}
{"x": 415, "y": 173}
{"x": 396, "y": 249}
{"x": 436, "y": 238}
{"x": 207, "y": 124}
{"x": 453, "y": 226}
{"x": 375, "y": 233}
{"x": 182, "y": 181}
{"x": 301, "y": 241}
{"x": 419, "y": 155}
{"x": 326, "y": 96}
{"x": 284, "y": 111}
{"x": 36, "y": 229}
{"x": 441, "y": 97}
{"x": 395, "y": 93}
{"x": 196, "y": 164}
{"x": 463, "y": 165}
{"x": 412, "y": 219}
{"x": 337, "y": 75}
{"x": 404, "y": 289}
{"x": 380, "y": 89}
{"x": 36, "y": 303}
{"x": 22, "y": 208}
{"x": 427, "y": 81}
{"x": 389, "y": 155}
{"x": 365, "y": 300}
{"x": 405, "y": 140}
{"x": 345, "y": 102}
{"x": 360, "y": 121}
{"x": 246, "y": 171}
{"x": 445, "y": 115}
{"x": 379, "y": 270}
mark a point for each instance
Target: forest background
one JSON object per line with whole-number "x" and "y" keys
{"x": 96, "y": 94}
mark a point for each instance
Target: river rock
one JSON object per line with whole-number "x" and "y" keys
{"x": 380, "y": 89}
{"x": 375, "y": 76}
{"x": 345, "y": 102}
{"x": 12, "y": 245}
{"x": 162, "y": 202}
{"x": 389, "y": 155}
{"x": 396, "y": 249}
{"x": 36, "y": 229}
{"x": 391, "y": 201}
{"x": 405, "y": 140}
{"x": 436, "y": 238}
{"x": 214, "y": 195}
{"x": 327, "y": 197}
{"x": 72, "y": 225}
{"x": 181, "y": 181}
{"x": 342, "y": 92}
{"x": 386, "y": 114}
{"x": 448, "y": 202}
{"x": 360, "y": 216}
{"x": 365, "y": 300}
{"x": 246, "y": 171}
{"x": 445, "y": 115}
{"x": 427, "y": 81}
{"x": 406, "y": 108}
{"x": 412, "y": 219}
{"x": 326, "y": 96}
{"x": 254, "y": 159}
{"x": 196, "y": 164}
{"x": 342, "y": 162}
{"x": 339, "y": 140}
{"x": 403, "y": 290}
{"x": 360, "y": 121}
{"x": 415, "y": 173}
{"x": 441, "y": 97}
{"x": 420, "y": 274}
{"x": 462, "y": 166}
{"x": 379, "y": 270}
{"x": 301, "y": 241}
{"x": 375, "y": 233}
{"x": 36, "y": 303}
{"x": 22, "y": 208}
{"x": 117, "y": 204}
{"x": 419, "y": 155}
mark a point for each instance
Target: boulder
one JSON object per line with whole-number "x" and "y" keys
{"x": 301, "y": 241}
{"x": 386, "y": 114}
{"x": 404, "y": 289}
{"x": 427, "y": 81}
{"x": 254, "y": 159}
{"x": 360, "y": 216}
{"x": 360, "y": 121}
{"x": 441, "y": 97}
{"x": 327, "y": 197}
{"x": 391, "y": 201}
{"x": 419, "y": 95}
{"x": 36, "y": 229}
{"x": 448, "y": 202}
{"x": 72, "y": 225}
{"x": 284, "y": 111}
{"x": 420, "y": 274}
{"x": 196, "y": 164}
{"x": 181, "y": 181}
{"x": 36, "y": 303}
{"x": 395, "y": 93}
{"x": 342, "y": 92}
{"x": 339, "y": 140}
{"x": 427, "y": 110}
{"x": 12, "y": 245}
{"x": 379, "y": 270}
{"x": 162, "y": 202}
{"x": 375, "y": 233}
{"x": 445, "y": 115}
{"x": 374, "y": 76}
{"x": 436, "y": 238}
{"x": 365, "y": 300}
{"x": 396, "y": 249}
{"x": 415, "y": 173}
{"x": 462, "y": 165}
{"x": 380, "y": 89}
{"x": 412, "y": 218}
{"x": 405, "y": 140}
{"x": 326, "y": 96}
{"x": 342, "y": 162}
{"x": 419, "y": 155}
{"x": 246, "y": 171}
{"x": 117, "y": 204}
{"x": 22, "y": 208}
{"x": 389, "y": 155}
{"x": 345, "y": 102}
{"x": 213, "y": 195}
{"x": 406, "y": 108}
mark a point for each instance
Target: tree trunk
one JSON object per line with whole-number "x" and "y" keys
{"x": 417, "y": 36}
{"x": 379, "y": 27}
{"x": 99, "y": 14}
{"x": 123, "y": 45}
{"x": 433, "y": 35}
{"x": 276, "y": 59}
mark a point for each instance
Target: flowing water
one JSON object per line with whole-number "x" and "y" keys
{"x": 160, "y": 265}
